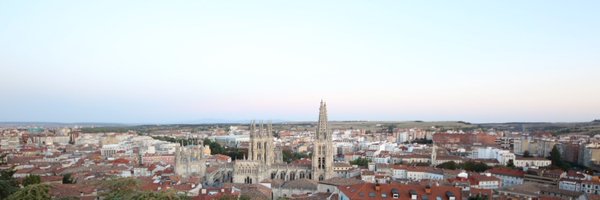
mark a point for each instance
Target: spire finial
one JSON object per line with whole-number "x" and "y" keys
{"x": 252, "y": 128}
{"x": 322, "y": 123}
{"x": 270, "y": 129}
{"x": 261, "y": 131}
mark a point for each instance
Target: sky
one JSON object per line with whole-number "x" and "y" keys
{"x": 187, "y": 61}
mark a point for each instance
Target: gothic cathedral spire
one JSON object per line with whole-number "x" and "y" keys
{"x": 322, "y": 159}
{"x": 322, "y": 131}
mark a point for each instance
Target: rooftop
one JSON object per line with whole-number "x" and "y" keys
{"x": 403, "y": 191}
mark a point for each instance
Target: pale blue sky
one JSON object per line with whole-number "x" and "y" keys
{"x": 179, "y": 61}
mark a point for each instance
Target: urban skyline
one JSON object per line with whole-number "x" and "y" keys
{"x": 291, "y": 100}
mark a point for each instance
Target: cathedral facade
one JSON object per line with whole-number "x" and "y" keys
{"x": 191, "y": 160}
{"x": 261, "y": 163}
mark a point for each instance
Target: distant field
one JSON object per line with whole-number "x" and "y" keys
{"x": 587, "y": 128}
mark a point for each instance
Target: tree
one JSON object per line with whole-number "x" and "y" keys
{"x": 215, "y": 148}
{"x": 510, "y": 164}
{"x": 68, "y": 179}
{"x": 289, "y": 156}
{"x": 448, "y": 165}
{"x": 129, "y": 188}
{"x": 235, "y": 153}
{"x": 363, "y": 162}
{"x": 149, "y": 195}
{"x": 423, "y": 141}
{"x": 478, "y": 197}
{"x": 3, "y": 158}
{"x": 32, "y": 192}
{"x": 475, "y": 166}
{"x": 68, "y": 198}
{"x": 119, "y": 188}
{"x": 244, "y": 197}
{"x": 557, "y": 160}
{"x": 232, "y": 197}
{"x": 390, "y": 128}
{"x": 8, "y": 184}
{"x": 7, "y": 188}
{"x": 31, "y": 179}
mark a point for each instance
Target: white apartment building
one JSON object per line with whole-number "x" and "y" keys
{"x": 532, "y": 162}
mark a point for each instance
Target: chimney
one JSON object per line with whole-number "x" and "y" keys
{"x": 377, "y": 187}
{"x": 428, "y": 189}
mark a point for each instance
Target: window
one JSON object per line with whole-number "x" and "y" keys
{"x": 371, "y": 194}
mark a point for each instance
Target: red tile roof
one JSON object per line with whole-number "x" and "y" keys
{"x": 67, "y": 190}
{"x": 507, "y": 172}
{"x": 369, "y": 191}
{"x": 45, "y": 179}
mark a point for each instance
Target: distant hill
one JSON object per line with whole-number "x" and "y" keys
{"x": 226, "y": 121}
{"x": 59, "y": 124}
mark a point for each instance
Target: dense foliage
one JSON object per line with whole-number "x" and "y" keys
{"x": 215, "y": 148}
{"x": 363, "y": 162}
{"x": 8, "y": 185}
{"x": 31, "y": 179}
{"x": 557, "y": 160}
{"x": 478, "y": 197}
{"x": 468, "y": 166}
{"x": 510, "y": 164}
{"x": 68, "y": 179}
{"x": 107, "y": 129}
{"x": 129, "y": 188}
{"x": 184, "y": 141}
{"x": 32, "y": 192}
{"x": 448, "y": 165}
{"x": 3, "y": 158}
{"x": 289, "y": 156}
{"x": 422, "y": 141}
{"x": 474, "y": 166}
{"x": 232, "y": 197}
{"x": 235, "y": 153}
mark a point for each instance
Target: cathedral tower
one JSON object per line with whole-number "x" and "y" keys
{"x": 261, "y": 144}
{"x": 322, "y": 156}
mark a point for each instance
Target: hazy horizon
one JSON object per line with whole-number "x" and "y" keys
{"x": 163, "y": 62}
{"x": 248, "y": 121}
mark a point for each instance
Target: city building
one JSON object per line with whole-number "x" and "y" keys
{"x": 509, "y": 177}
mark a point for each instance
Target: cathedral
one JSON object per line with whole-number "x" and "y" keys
{"x": 191, "y": 160}
{"x": 260, "y": 163}
{"x": 263, "y": 161}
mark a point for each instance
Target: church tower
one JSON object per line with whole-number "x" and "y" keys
{"x": 322, "y": 155}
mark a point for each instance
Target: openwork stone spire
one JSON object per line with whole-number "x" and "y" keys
{"x": 322, "y": 161}
{"x": 322, "y": 124}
